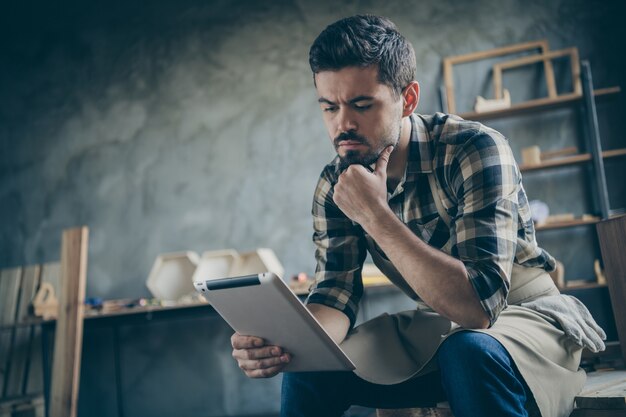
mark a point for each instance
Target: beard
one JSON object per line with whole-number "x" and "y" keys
{"x": 391, "y": 136}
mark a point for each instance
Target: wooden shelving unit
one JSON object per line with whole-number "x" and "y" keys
{"x": 571, "y": 160}
{"x": 540, "y": 104}
{"x": 594, "y": 156}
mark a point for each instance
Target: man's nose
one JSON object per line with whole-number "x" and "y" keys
{"x": 346, "y": 121}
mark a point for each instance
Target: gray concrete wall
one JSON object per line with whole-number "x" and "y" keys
{"x": 193, "y": 125}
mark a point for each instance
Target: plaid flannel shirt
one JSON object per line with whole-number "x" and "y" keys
{"x": 479, "y": 185}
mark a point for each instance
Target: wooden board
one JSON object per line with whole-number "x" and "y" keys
{"x": 50, "y": 272}
{"x": 570, "y": 160}
{"x": 564, "y": 224}
{"x": 604, "y": 390}
{"x": 9, "y": 289}
{"x": 20, "y": 360}
{"x": 612, "y": 237}
{"x": 69, "y": 328}
{"x": 9, "y": 292}
{"x": 540, "y": 104}
{"x": 587, "y": 412}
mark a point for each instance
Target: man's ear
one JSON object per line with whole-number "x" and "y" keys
{"x": 410, "y": 98}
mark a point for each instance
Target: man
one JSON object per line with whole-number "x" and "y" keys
{"x": 438, "y": 202}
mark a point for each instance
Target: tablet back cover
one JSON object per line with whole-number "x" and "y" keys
{"x": 264, "y": 306}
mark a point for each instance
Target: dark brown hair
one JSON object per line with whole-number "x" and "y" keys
{"x": 361, "y": 41}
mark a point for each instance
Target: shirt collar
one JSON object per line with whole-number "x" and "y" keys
{"x": 420, "y": 147}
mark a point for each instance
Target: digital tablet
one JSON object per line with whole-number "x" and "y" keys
{"x": 263, "y": 305}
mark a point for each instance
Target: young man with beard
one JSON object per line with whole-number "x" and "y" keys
{"x": 439, "y": 204}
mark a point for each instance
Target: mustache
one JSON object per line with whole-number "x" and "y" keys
{"x": 352, "y": 136}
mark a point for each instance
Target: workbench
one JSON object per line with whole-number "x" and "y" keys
{"x": 164, "y": 361}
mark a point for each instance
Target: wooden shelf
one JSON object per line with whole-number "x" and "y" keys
{"x": 571, "y": 160}
{"x": 583, "y": 286}
{"x": 563, "y": 225}
{"x": 538, "y": 105}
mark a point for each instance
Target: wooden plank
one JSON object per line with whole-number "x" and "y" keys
{"x": 612, "y": 237}
{"x": 604, "y": 390}
{"x": 550, "y": 82}
{"x": 23, "y": 335}
{"x": 50, "y": 272}
{"x": 575, "y": 64}
{"x": 9, "y": 291}
{"x": 606, "y": 91}
{"x": 587, "y": 286}
{"x": 30, "y": 282}
{"x": 532, "y": 59}
{"x": 613, "y": 153}
{"x": 448, "y": 80}
{"x": 571, "y": 160}
{"x": 69, "y": 326}
{"x": 497, "y": 83}
{"x": 5, "y": 342}
{"x": 559, "y": 152}
{"x": 34, "y": 375}
{"x": 504, "y": 50}
{"x": 602, "y": 380}
{"x": 587, "y": 412}
{"x": 530, "y": 105}
{"x": 538, "y": 105}
{"x": 564, "y": 224}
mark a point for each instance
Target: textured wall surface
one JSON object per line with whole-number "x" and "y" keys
{"x": 193, "y": 125}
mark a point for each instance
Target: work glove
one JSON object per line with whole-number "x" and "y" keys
{"x": 574, "y": 318}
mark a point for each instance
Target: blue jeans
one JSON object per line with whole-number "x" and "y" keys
{"x": 476, "y": 376}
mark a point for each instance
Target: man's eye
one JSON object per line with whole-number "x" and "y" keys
{"x": 362, "y": 107}
{"x": 330, "y": 109}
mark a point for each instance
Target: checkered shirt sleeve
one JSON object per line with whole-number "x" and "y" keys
{"x": 485, "y": 181}
{"x": 340, "y": 252}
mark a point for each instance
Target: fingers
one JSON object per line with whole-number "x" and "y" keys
{"x": 592, "y": 340}
{"x": 256, "y": 359}
{"x": 267, "y": 363}
{"x": 383, "y": 160}
{"x": 261, "y": 368}
{"x": 264, "y": 373}
{"x": 245, "y": 342}
{"x": 257, "y": 353}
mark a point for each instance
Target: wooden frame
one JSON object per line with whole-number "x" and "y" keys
{"x": 68, "y": 337}
{"x": 450, "y": 61}
{"x": 545, "y": 57}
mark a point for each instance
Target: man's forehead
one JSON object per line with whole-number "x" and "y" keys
{"x": 350, "y": 82}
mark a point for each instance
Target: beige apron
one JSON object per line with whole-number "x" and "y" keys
{"x": 392, "y": 348}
